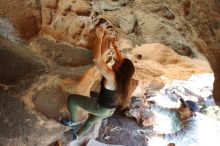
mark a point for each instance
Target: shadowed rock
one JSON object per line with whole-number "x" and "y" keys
{"x": 16, "y": 62}
{"x": 20, "y": 126}
{"x": 62, "y": 54}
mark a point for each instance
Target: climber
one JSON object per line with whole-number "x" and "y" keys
{"x": 185, "y": 127}
{"x": 115, "y": 86}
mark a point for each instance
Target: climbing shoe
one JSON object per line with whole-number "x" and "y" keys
{"x": 68, "y": 122}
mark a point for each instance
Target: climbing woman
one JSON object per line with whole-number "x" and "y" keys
{"x": 115, "y": 86}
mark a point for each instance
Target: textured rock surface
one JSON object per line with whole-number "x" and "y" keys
{"x": 93, "y": 142}
{"x": 120, "y": 130}
{"x": 24, "y": 15}
{"x": 140, "y": 112}
{"x": 45, "y": 53}
{"x": 34, "y": 89}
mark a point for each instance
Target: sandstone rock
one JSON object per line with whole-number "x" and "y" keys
{"x": 141, "y": 113}
{"x": 53, "y": 4}
{"x": 93, "y": 142}
{"x": 108, "y": 5}
{"x": 82, "y": 8}
{"x": 20, "y": 126}
{"x": 118, "y": 128}
{"x": 158, "y": 60}
{"x": 127, "y": 21}
{"x": 25, "y": 16}
{"x": 16, "y": 62}
{"x": 48, "y": 16}
{"x": 169, "y": 15}
{"x": 39, "y": 98}
{"x": 186, "y": 7}
{"x": 68, "y": 21}
{"x": 46, "y": 70}
{"x": 183, "y": 50}
{"x": 61, "y": 53}
{"x": 8, "y": 31}
{"x": 206, "y": 33}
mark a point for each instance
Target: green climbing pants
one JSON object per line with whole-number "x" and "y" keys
{"x": 97, "y": 112}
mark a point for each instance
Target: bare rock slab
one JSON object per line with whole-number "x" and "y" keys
{"x": 93, "y": 142}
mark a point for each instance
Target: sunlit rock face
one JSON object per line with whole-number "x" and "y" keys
{"x": 46, "y": 50}
{"x": 69, "y": 21}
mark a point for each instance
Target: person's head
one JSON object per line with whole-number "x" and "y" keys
{"x": 124, "y": 70}
{"x": 188, "y": 107}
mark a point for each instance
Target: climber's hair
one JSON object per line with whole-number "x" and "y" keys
{"x": 124, "y": 82}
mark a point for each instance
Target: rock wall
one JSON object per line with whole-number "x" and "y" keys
{"x": 46, "y": 47}
{"x": 24, "y": 15}
{"x": 33, "y": 93}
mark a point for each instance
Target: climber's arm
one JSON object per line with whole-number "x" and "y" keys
{"x": 97, "y": 56}
{"x": 118, "y": 54}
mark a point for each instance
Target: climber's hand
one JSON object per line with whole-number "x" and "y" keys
{"x": 106, "y": 40}
{"x": 100, "y": 31}
{"x": 114, "y": 42}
